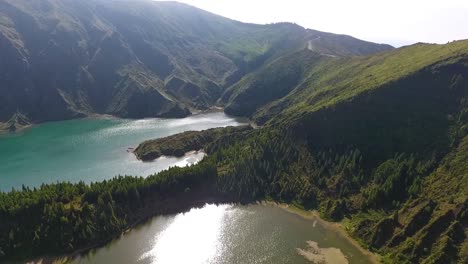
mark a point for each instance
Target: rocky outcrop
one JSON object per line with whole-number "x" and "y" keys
{"x": 17, "y": 122}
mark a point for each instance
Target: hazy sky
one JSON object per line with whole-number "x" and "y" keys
{"x": 397, "y": 22}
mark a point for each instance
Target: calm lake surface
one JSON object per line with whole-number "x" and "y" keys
{"x": 92, "y": 149}
{"x": 226, "y": 234}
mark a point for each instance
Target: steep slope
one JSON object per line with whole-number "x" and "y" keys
{"x": 340, "y": 79}
{"x": 377, "y": 142}
{"x": 431, "y": 227}
{"x": 63, "y": 59}
{"x": 269, "y": 83}
{"x": 306, "y": 81}
{"x": 279, "y": 77}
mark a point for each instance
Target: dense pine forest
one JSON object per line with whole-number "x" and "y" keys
{"x": 64, "y": 217}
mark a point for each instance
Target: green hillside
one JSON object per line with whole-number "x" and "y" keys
{"x": 341, "y": 79}
{"x": 307, "y": 81}
{"x": 269, "y": 83}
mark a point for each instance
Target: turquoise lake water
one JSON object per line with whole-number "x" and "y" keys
{"x": 92, "y": 149}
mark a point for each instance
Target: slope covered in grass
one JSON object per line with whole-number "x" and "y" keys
{"x": 269, "y": 83}
{"x": 341, "y": 79}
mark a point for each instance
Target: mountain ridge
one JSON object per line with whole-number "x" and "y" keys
{"x": 68, "y": 59}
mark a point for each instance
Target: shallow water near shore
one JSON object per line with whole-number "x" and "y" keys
{"x": 92, "y": 149}
{"x": 229, "y": 234}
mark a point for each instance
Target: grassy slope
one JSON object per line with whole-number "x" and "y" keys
{"x": 269, "y": 83}
{"x": 340, "y": 79}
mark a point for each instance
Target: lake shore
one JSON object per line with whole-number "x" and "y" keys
{"x": 5, "y": 127}
{"x": 313, "y": 216}
{"x": 335, "y": 226}
{"x": 170, "y": 206}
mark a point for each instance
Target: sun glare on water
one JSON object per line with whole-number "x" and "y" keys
{"x": 193, "y": 237}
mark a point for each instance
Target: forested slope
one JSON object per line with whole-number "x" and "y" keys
{"x": 378, "y": 140}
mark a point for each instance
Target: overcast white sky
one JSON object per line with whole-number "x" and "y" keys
{"x": 396, "y": 22}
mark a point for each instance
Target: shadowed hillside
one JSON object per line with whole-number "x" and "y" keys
{"x": 65, "y": 59}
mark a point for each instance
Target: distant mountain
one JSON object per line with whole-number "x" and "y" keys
{"x": 65, "y": 59}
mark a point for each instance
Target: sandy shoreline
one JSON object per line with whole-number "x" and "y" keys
{"x": 335, "y": 226}
{"x": 315, "y": 254}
